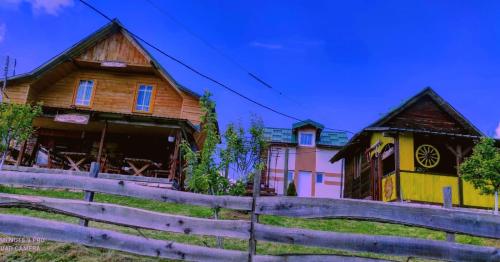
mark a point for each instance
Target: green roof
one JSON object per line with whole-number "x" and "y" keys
{"x": 308, "y": 122}
{"x": 286, "y": 136}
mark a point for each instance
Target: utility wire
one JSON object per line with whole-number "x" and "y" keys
{"x": 200, "y": 73}
{"x": 218, "y": 51}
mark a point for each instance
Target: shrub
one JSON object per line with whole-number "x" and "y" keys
{"x": 291, "y": 191}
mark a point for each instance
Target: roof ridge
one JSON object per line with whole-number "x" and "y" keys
{"x": 84, "y": 43}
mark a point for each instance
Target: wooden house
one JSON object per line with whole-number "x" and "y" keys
{"x": 302, "y": 152}
{"x": 107, "y": 99}
{"x": 411, "y": 153}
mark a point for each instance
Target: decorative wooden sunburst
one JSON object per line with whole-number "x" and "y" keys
{"x": 388, "y": 187}
{"x": 427, "y": 156}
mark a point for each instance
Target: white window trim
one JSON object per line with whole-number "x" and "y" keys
{"x": 313, "y": 139}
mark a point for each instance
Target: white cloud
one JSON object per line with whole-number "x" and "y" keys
{"x": 3, "y": 30}
{"x": 51, "y": 7}
{"x": 497, "y": 133}
{"x": 266, "y": 45}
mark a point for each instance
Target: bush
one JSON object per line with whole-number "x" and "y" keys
{"x": 237, "y": 189}
{"x": 291, "y": 191}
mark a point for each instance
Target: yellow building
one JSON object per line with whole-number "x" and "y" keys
{"x": 411, "y": 154}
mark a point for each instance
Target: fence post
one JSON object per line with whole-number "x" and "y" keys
{"x": 447, "y": 203}
{"x": 89, "y": 195}
{"x": 252, "y": 245}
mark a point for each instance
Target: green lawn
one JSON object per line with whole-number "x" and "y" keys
{"x": 51, "y": 251}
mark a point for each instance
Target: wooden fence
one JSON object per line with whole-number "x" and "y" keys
{"x": 448, "y": 220}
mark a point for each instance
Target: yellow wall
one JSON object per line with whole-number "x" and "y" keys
{"x": 406, "y": 160}
{"x": 472, "y": 197}
{"x": 427, "y": 187}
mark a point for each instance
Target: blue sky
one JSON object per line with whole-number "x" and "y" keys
{"x": 341, "y": 63}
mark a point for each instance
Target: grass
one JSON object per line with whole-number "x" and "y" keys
{"x": 51, "y": 251}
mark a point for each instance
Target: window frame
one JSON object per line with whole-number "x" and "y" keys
{"x": 313, "y": 138}
{"x": 151, "y": 102}
{"x": 75, "y": 92}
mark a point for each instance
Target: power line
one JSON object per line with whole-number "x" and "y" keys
{"x": 198, "y": 72}
{"x": 218, "y": 51}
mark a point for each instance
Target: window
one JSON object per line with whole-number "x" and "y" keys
{"x": 84, "y": 93}
{"x": 319, "y": 178}
{"x": 357, "y": 162}
{"x": 144, "y": 98}
{"x": 306, "y": 139}
{"x": 290, "y": 176}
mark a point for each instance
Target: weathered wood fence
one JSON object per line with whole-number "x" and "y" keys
{"x": 447, "y": 220}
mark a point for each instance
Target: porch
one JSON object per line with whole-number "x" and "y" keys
{"x": 136, "y": 145}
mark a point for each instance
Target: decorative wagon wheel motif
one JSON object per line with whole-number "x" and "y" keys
{"x": 427, "y": 156}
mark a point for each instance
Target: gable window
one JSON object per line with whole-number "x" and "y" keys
{"x": 144, "y": 98}
{"x": 306, "y": 139}
{"x": 84, "y": 92}
{"x": 319, "y": 178}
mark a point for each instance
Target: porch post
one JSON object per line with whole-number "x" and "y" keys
{"x": 174, "y": 156}
{"x": 380, "y": 171}
{"x": 285, "y": 170}
{"x": 397, "y": 152}
{"x": 20, "y": 157}
{"x": 101, "y": 144}
{"x": 460, "y": 182}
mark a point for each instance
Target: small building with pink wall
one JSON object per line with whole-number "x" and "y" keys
{"x": 303, "y": 153}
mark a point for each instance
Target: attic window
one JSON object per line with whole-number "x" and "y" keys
{"x": 84, "y": 93}
{"x": 306, "y": 139}
{"x": 144, "y": 97}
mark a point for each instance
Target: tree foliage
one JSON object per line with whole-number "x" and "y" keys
{"x": 203, "y": 172}
{"x": 244, "y": 149}
{"x": 15, "y": 125}
{"x": 482, "y": 168}
{"x": 291, "y": 191}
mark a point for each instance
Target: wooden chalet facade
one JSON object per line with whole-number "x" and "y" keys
{"x": 411, "y": 153}
{"x": 107, "y": 99}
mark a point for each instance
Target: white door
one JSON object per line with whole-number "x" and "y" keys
{"x": 304, "y": 184}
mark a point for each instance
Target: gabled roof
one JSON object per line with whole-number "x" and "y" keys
{"x": 287, "y": 136}
{"x": 379, "y": 125}
{"x": 308, "y": 122}
{"x": 80, "y": 47}
{"x": 445, "y": 106}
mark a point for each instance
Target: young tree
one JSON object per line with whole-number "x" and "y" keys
{"x": 244, "y": 149}
{"x": 15, "y": 125}
{"x": 203, "y": 174}
{"x": 482, "y": 169}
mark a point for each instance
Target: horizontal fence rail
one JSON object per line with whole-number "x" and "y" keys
{"x": 122, "y": 188}
{"x": 65, "y": 232}
{"x": 447, "y": 220}
{"x": 131, "y": 217}
{"x": 457, "y": 221}
{"x": 399, "y": 246}
{"x": 143, "y": 179}
{"x": 134, "y": 217}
